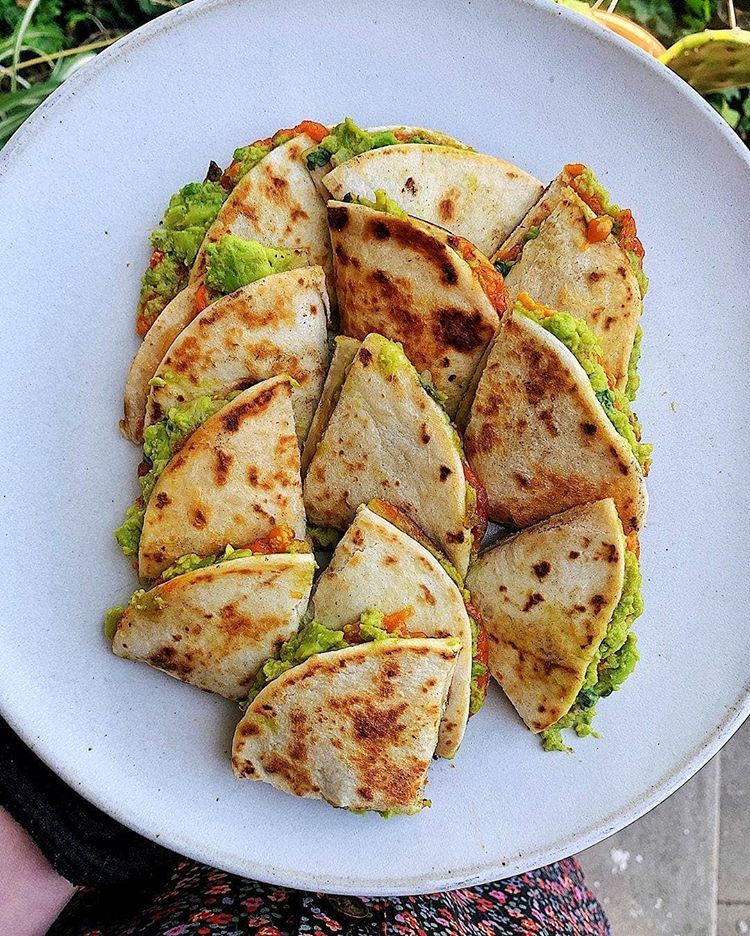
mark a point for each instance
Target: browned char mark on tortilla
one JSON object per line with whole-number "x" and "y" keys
{"x": 462, "y": 330}
{"x": 233, "y": 419}
{"x": 338, "y": 217}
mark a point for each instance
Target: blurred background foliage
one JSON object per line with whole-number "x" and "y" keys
{"x": 42, "y": 42}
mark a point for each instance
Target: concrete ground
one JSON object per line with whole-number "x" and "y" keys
{"x": 683, "y": 869}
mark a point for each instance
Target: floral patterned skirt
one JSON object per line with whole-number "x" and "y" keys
{"x": 200, "y": 901}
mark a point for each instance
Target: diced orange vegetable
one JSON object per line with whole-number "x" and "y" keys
{"x": 590, "y": 198}
{"x": 512, "y": 253}
{"x": 627, "y": 233}
{"x": 278, "y": 540}
{"x": 202, "y": 298}
{"x": 490, "y": 279}
{"x": 575, "y": 169}
{"x": 313, "y": 129}
{"x": 395, "y": 621}
{"x": 599, "y": 229}
{"x": 632, "y": 544}
{"x": 156, "y": 258}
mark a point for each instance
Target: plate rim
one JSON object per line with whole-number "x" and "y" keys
{"x": 733, "y": 717}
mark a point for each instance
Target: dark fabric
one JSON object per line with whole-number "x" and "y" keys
{"x": 79, "y": 841}
{"x": 137, "y": 888}
{"x": 201, "y": 901}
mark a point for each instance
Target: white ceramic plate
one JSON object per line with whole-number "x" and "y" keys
{"x": 81, "y": 186}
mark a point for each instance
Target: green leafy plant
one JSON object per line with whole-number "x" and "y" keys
{"x": 42, "y": 42}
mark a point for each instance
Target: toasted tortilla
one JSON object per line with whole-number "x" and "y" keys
{"x": 546, "y": 595}
{"x": 234, "y": 480}
{"x": 214, "y": 627}
{"x": 276, "y": 203}
{"x": 479, "y": 197}
{"x": 376, "y": 565}
{"x": 176, "y": 316}
{"x": 594, "y": 282}
{"x": 343, "y": 354}
{"x": 276, "y": 325}
{"x": 538, "y": 438}
{"x": 388, "y": 438}
{"x": 401, "y": 278}
{"x": 356, "y": 727}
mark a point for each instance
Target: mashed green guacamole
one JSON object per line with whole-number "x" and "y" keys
{"x": 347, "y": 140}
{"x": 315, "y": 638}
{"x": 190, "y": 213}
{"x": 141, "y": 600}
{"x": 160, "y": 441}
{"x": 634, "y": 380}
{"x": 614, "y": 661}
{"x": 233, "y": 262}
{"x": 382, "y": 203}
{"x": 578, "y": 338}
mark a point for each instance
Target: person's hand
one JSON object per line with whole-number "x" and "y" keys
{"x": 31, "y": 893}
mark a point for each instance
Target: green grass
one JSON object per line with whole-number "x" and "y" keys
{"x": 42, "y": 42}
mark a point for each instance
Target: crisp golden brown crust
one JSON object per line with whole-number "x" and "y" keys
{"x": 401, "y": 279}
{"x": 174, "y": 318}
{"x": 356, "y": 727}
{"x": 251, "y": 446}
{"x": 547, "y": 595}
{"x": 538, "y": 438}
{"x": 376, "y": 565}
{"x": 215, "y": 626}
{"x": 277, "y": 203}
{"x": 595, "y": 282}
{"x": 387, "y": 438}
{"x": 474, "y": 195}
{"x": 276, "y": 325}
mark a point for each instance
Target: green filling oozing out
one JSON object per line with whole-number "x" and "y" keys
{"x": 314, "y": 638}
{"x": 160, "y": 441}
{"x": 141, "y": 600}
{"x": 190, "y": 213}
{"x": 578, "y": 338}
{"x": 347, "y": 140}
{"x": 634, "y": 380}
{"x": 477, "y": 696}
{"x": 613, "y": 662}
{"x": 233, "y": 262}
{"x": 381, "y": 203}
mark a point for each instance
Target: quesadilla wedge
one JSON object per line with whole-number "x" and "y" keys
{"x": 546, "y": 430}
{"x": 232, "y": 265}
{"x": 558, "y": 600}
{"x": 176, "y": 316}
{"x": 479, "y": 197}
{"x": 344, "y": 351}
{"x": 356, "y": 726}
{"x": 212, "y": 622}
{"x": 216, "y": 472}
{"x": 577, "y": 251}
{"x": 275, "y": 325}
{"x": 382, "y": 569}
{"x": 415, "y": 283}
{"x": 265, "y": 194}
{"x": 275, "y": 202}
{"x": 388, "y": 438}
